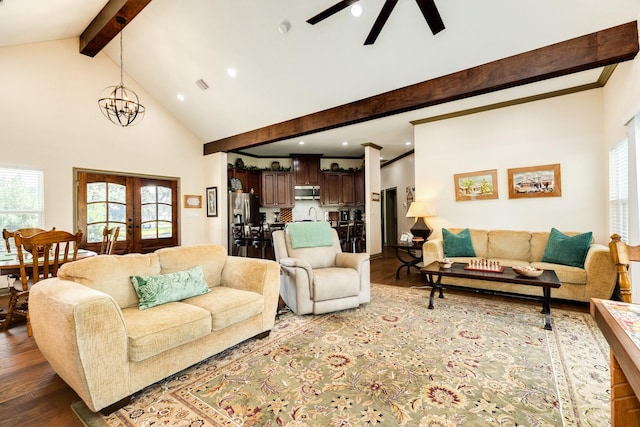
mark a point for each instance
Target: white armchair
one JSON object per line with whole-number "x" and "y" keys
{"x": 321, "y": 279}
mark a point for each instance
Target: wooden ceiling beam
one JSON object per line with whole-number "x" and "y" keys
{"x": 606, "y": 47}
{"x": 104, "y": 27}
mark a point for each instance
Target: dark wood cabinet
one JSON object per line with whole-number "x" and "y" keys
{"x": 276, "y": 189}
{"x": 359, "y": 188}
{"x": 306, "y": 170}
{"x": 250, "y": 179}
{"x": 337, "y": 189}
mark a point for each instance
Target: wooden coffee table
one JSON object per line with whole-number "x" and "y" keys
{"x": 546, "y": 281}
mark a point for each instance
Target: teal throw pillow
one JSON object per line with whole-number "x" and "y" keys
{"x": 163, "y": 288}
{"x": 565, "y": 250}
{"x": 456, "y": 245}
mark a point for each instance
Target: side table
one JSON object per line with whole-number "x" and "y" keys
{"x": 410, "y": 255}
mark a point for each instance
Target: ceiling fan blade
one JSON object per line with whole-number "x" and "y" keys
{"x": 431, "y": 14}
{"x": 387, "y": 8}
{"x": 330, "y": 11}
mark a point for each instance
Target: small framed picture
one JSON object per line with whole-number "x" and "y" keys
{"x": 375, "y": 197}
{"x": 212, "y": 201}
{"x": 535, "y": 181}
{"x": 481, "y": 185}
{"x": 192, "y": 201}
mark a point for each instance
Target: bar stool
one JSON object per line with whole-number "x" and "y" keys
{"x": 240, "y": 240}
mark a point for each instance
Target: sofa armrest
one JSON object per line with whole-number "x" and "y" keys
{"x": 81, "y": 333}
{"x": 601, "y": 272}
{"x": 255, "y": 275}
{"x": 432, "y": 250}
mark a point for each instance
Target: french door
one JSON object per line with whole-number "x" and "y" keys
{"x": 145, "y": 209}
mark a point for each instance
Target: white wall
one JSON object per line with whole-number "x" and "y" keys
{"x": 621, "y": 103}
{"x": 400, "y": 175}
{"x": 49, "y": 120}
{"x": 566, "y": 130}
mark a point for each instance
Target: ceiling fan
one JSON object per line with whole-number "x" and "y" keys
{"x": 427, "y": 7}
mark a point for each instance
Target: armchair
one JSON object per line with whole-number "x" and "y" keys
{"x": 321, "y": 279}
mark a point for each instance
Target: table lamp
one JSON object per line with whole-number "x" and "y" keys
{"x": 420, "y": 230}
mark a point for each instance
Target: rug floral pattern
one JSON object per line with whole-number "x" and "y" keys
{"x": 469, "y": 362}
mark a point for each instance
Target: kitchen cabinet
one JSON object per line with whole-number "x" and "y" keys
{"x": 249, "y": 178}
{"x": 276, "y": 189}
{"x": 359, "y": 187}
{"x": 306, "y": 170}
{"x": 337, "y": 189}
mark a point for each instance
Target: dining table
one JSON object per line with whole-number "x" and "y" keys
{"x": 9, "y": 263}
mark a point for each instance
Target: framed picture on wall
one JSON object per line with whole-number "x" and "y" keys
{"x": 192, "y": 201}
{"x": 212, "y": 201}
{"x": 535, "y": 181}
{"x": 481, "y": 185}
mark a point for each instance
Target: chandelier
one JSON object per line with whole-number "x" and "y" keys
{"x": 119, "y": 104}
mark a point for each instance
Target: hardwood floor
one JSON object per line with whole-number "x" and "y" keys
{"x": 31, "y": 394}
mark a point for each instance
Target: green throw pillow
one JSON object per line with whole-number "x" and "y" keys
{"x": 565, "y": 250}
{"x": 457, "y": 244}
{"x": 162, "y": 288}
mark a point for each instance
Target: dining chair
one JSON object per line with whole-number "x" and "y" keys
{"x": 8, "y": 235}
{"x": 240, "y": 240}
{"x": 109, "y": 238}
{"x": 258, "y": 240}
{"x": 48, "y": 250}
{"x": 621, "y": 255}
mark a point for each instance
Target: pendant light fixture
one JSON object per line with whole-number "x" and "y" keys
{"x": 119, "y": 104}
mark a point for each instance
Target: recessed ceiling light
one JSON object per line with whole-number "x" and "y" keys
{"x": 356, "y": 10}
{"x": 407, "y": 143}
{"x": 345, "y": 143}
{"x": 301, "y": 143}
{"x": 180, "y": 97}
{"x": 232, "y": 72}
{"x": 284, "y": 27}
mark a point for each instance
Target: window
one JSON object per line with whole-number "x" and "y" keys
{"x": 619, "y": 190}
{"x": 21, "y": 199}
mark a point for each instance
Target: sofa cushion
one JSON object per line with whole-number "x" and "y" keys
{"x": 110, "y": 274}
{"x": 210, "y": 257}
{"x": 457, "y": 245}
{"x": 509, "y": 245}
{"x": 155, "y": 330}
{"x": 567, "y": 250}
{"x": 227, "y": 306}
{"x": 163, "y": 288}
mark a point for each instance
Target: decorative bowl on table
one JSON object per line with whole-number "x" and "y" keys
{"x": 527, "y": 270}
{"x": 445, "y": 263}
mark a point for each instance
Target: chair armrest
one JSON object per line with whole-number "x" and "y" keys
{"x": 351, "y": 260}
{"x": 432, "y": 250}
{"x": 288, "y": 266}
{"x": 601, "y": 272}
{"x": 81, "y": 333}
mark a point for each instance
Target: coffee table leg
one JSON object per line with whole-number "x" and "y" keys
{"x": 546, "y": 307}
{"x": 434, "y": 285}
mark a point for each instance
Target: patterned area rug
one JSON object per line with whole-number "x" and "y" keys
{"x": 471, "y": 361}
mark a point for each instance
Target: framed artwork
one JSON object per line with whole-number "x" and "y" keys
{"x": 375, "y": 197}
{"x": 481, "y": 185}
{"x": 535, "y": 181}
{"x": 212, "y": 201}
{"x": 192, "y": 201}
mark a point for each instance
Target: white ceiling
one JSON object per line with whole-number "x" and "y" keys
{"x": 171, "y": 44}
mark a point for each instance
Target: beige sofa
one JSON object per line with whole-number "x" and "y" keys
{"x": 88, "y": 325}
{"x": 596, "y": 280}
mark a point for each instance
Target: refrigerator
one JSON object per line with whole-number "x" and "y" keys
{"x": 244, "y": 208}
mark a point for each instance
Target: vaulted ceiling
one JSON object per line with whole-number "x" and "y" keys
{"x": 285, "y": 75}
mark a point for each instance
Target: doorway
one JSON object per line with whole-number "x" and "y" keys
{"x": 390, "y": 217}
{"x": 145, "y": 209}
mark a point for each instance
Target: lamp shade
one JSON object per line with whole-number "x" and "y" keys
{"x": 419, "y": 209}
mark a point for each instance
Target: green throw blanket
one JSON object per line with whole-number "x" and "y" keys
{"x": 310, "y": 234}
